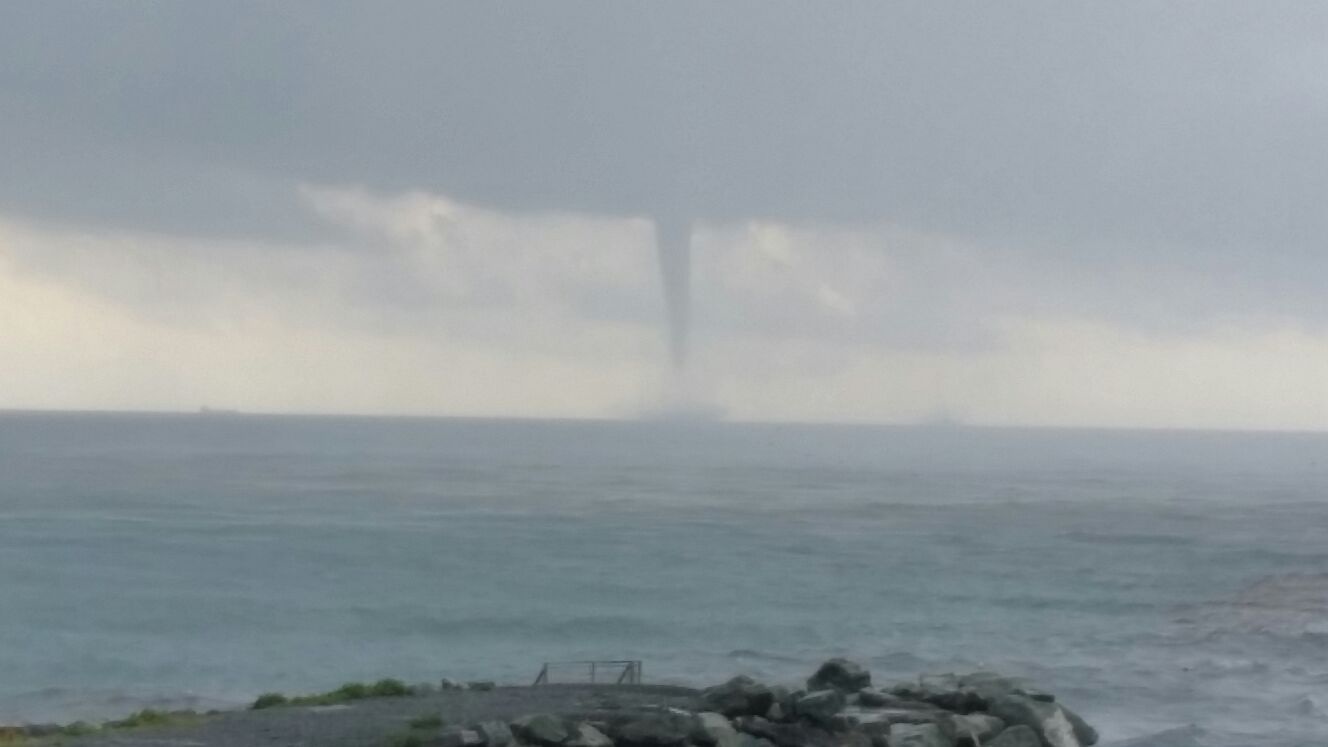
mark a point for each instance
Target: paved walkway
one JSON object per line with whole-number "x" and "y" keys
{"x": 369, "y": 723}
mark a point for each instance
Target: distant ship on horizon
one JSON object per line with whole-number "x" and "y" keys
{"x": 209, "y": 411}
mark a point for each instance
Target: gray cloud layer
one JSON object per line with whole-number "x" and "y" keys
{"x": 1190, "y": 124}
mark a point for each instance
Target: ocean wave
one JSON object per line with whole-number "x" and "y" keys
{"x": 1195, "y": 736}
{"x": 532, "y": 626}
{"x": 1185, "y": 736}
{"x": 1218, "y": 668}
{"x": 902, "y": 661}
{"x": 1128, "y": 539}
{"x": 754, "y": 655}
{"x": 1306, "y": 706}
{"x": 65, "y": 704}
{"x": 1291, "y": 606}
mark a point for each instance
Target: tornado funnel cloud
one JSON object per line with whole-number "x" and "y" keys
{"x": 673, "y": 241}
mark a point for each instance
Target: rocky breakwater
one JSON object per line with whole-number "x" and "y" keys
{"x": 838, "y": 708}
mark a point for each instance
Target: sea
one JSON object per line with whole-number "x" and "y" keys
{"x": 1156, "y": 581}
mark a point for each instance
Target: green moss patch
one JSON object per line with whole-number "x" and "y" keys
{"x": 385, "y": 688}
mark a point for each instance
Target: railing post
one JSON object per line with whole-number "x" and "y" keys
{"x": 629, "y": 671}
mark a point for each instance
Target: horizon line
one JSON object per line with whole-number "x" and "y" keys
{"x": 211, "y": 413}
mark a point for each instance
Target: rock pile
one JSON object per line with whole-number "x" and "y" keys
{"x": 838, "y": 708}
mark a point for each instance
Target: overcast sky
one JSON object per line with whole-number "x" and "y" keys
{"x": 1006, "y": 213}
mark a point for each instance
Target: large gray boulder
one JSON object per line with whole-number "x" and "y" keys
{"x": 854, "y": 739}
{"x": 919, "y": 735}
{"x": 1057, "y": 731}
{"x": 990, "y": 684}
{"x": 876, "y": 730}
{"x": 961, "y": 700}
{"x": 661, "y": 729}
{"x": 947, "y": 693}
{"x": 718, "y": 731}
{"x": 494, "y": 733}
{"x": 1057, "y": 725}
{"x": 543, "y": 729}
{"x": 875, "y": 723}
{"x": 1047, "y": 720}
{"x": 1087, "y": 735}
{"x": 879, "y": 707}
{"x": 782, "y": 707}
{"x": 967, "y": 693}
{"x": 585, "y": 735}
{"x": 756, "y": 726}
{"x": 840, "y": 674}
{"x": 820, "y": 706}
{"x": 869, "y": 698}
{"x": 975, "y": 729}
{"x": 1016, "y": 736}
{"x": 455, "y": 736}
{"x": 797, "y": 734}
{"x": 740, "y": 696}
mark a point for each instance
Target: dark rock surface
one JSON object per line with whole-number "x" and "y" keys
{"x": 495, "y": 733}
{"x": 820, "y": 706}
{"x": 840, "y": 674}
{"x": 740, "y": 696}
{"x": 1016, "y": 736}
{"x": 797, "y": 734}
{"x": 456, "y": 736}
{"x": 1052, "y": 722}
{"x": 975, "y": 729}
{"x": 585, "y": 735}
{"x": 543, "y": 729}
{"x": 919, "y": 735}
{"x": 658, "y": 729}
{"x": 1087, "y": 735}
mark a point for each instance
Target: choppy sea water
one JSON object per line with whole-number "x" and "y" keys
{"x": 1153, "y": 580}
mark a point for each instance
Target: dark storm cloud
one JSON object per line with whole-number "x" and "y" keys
{"x": 1191, "y": 126}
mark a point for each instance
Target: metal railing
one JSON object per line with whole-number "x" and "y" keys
{"x": 623, "y": 672}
